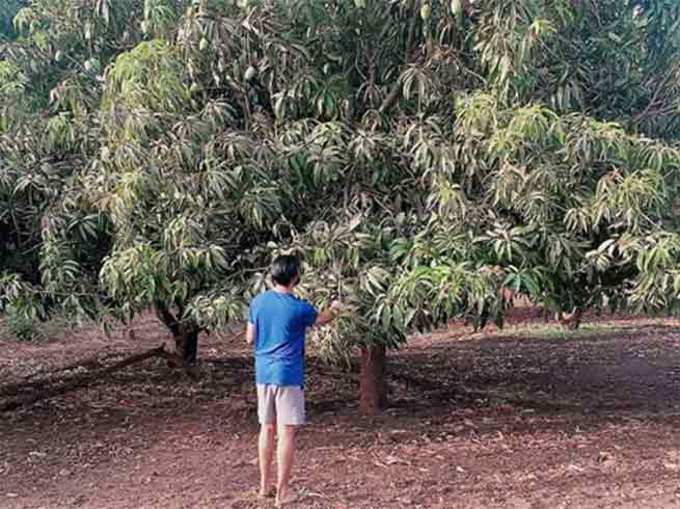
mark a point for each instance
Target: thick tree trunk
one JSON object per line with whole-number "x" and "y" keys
{"x": 186, "y": 344}
{"x": 185, "y": 334}
{"x": 571, "y": 321}
{"x": 373, "y": 384}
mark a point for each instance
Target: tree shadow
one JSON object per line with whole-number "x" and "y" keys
{"x": 511, "y": 382}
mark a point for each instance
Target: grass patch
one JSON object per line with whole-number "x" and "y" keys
{"x": 34, "y": 331}
{"x": 587, "y": 330}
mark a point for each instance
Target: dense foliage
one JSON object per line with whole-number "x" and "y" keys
{"x": 422, "y": 155}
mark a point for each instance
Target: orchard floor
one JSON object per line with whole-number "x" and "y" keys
{"x": 527, "y": 417}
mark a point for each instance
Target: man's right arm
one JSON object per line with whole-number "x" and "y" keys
{"x": 330, "y": 314}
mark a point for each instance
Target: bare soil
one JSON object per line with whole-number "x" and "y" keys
{"x": 519, "y": 418}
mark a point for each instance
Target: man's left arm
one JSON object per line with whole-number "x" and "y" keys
{"x": 251, "y": 330}
{"x": 251, "y": 334}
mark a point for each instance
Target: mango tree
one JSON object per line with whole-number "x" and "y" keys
{"x": 423, "y": 156}
{"x": 51, "y": 75}
{"x": 486, "y": 147}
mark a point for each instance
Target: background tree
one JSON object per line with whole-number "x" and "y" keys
{"x": 49, "y": 93}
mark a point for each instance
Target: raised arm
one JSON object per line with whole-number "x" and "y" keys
{"x": 328, "y": 315}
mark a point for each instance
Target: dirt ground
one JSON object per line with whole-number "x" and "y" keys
{"x": 519, "y": 418}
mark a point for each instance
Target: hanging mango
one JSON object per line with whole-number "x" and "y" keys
{"x": 425, "y": 11}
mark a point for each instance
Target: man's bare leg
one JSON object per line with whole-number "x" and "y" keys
{"x": 285, "y": 456}
{"x": 266, "y": 454}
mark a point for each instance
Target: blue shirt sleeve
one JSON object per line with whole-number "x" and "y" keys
{"x": 309, "y": 314}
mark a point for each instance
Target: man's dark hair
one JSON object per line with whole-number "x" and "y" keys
{"x": 285, "y": 269}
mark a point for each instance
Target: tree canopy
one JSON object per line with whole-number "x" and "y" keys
{"x": 421, "y": 155}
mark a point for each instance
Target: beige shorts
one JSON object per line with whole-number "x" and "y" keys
{"x": 281, "y": 404}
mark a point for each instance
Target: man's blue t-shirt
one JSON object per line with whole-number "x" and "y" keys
{"x": 280, "y": 320}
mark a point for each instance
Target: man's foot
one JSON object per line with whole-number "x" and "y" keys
{"x": 270, "y": 493}
{"x": 287, "y": 498}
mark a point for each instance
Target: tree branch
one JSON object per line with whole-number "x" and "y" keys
{"x": 81, "y": 381}
{"x": 395, "y": 92}
{"x": 652, "y": 101}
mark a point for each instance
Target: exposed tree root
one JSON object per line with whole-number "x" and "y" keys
{"x": 48, "y": 388}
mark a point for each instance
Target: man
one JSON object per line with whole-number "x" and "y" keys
{"x": 276, "y": 327}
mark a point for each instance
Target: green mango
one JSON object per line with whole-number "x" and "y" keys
{"x": 249, "y": 74}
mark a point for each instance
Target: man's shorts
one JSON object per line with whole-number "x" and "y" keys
{"x": 281, "y": 404}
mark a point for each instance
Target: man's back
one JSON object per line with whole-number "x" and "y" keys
{"x": 280, "y": 320}
{"x": 276, "y": 327}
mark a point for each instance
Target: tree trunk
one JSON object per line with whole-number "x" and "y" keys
{"x": 572, "y": 320}
{"x": 186, "y": 344}
{"x": 373, "y": 383}
{"x": 185, "y": 334}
